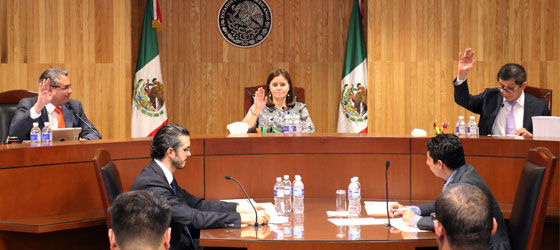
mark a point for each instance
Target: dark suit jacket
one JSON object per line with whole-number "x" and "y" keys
{"x": 22, "y": 123}
{"x": 467, "y": 174}
{"x": 489, "y": 103}
{"x": 186, "y": 209}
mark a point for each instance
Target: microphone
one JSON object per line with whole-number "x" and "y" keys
{"x": 283, "y": 108}
{"x": 256, "y": 215}
{"x": 387, "y": 164}
{"x": 87, "y": 124}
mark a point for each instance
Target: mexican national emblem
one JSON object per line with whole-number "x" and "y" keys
{"x": 354, "y": 102}
{"x": 148, "y": 97}
{"x": 245, "y": 23}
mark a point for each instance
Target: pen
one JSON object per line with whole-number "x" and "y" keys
{"x": 400, "y": 209}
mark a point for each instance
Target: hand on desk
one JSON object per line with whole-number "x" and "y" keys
{"x": 396, "y": 210}
{"x": 523, "y": 132}
{"x": 249, "y": 218}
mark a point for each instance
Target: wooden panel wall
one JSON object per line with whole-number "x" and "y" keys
{"x": 204, "y": 75}
{"x": 88, "y": 38}
{"x": 413, "y": 47}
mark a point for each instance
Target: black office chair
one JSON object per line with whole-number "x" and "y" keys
{"x": 531, "y": 198}
{"x": 8, "y": 105}
{"x": 108, "y": 180}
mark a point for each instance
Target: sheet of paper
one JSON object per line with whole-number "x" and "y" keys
{"x": 356, "y": 221}
{"x": 405, "y": 227}
{"x": 377, "y": 208}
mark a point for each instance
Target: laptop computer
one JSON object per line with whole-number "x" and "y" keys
{"x": 66, "y": 134}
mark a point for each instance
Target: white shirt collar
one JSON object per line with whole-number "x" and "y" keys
{"x": 520, "y": 101}
{"x": 50, "y": 108}
{"x": 166, "y": 172}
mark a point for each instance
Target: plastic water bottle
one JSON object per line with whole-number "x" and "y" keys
{"x": 298, "y": 195}
{"x": 35, "y": 134}
{"x": 287, "y": 194}
{"x": 473, "y": 128}
{"x": 279, "y": 196}
{"x": 287, "y": 124}
{"x": 461, "y": 127}
{"x": 46, "y": 137}
{"x": 354, "y": 197}
{"x": 299, "y": 231}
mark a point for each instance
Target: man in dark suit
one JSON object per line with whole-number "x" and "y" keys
{"x": 170, "y": 150}
{"x": 504, "y": 110}
{"x": 474, "y": 228}
{"x": 140, "y": 220}
{"x": 446, "y": 159}
{"x": 53, "y": 105}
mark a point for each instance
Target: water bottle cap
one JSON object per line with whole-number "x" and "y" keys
{"x": 461, "y": 117}
{"x": 298, "y": 177}
{"x": 286, "y": 177}
{"x": 278, "y": 179}
{"x": 472, "y": 117}
{"x": 35, "y": 124}
{"x": 356, "y": 177}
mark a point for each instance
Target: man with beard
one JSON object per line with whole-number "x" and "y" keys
{"x": 170, "y": 150}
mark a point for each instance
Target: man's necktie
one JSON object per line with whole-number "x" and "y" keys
{"x": 174, "y": 187}
{"x": 510, "y": 120}
{"x": 60, "y": 118}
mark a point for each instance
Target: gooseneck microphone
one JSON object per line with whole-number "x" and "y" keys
{"x": 387, "y": 164}
{"x": 87, "y": 123}
{"x": 256, "y": 215}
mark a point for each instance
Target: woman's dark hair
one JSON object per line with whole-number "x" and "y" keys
{"x": 290, "y": 98}
{"x": 167, "y": 137}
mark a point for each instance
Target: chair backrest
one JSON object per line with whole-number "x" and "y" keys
{"x": 545, "y": 94}
{"x": 8, "y": 105}
{"x": 108, "y": 180}
{"x": 250, "y": 92}
{"x": 531, "y": 198}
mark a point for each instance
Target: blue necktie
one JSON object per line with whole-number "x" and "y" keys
{"x": 174, "y": 187}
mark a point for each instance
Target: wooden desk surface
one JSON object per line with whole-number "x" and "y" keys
{"x": 51, "y": 188}
{"x": 318, "y": 233}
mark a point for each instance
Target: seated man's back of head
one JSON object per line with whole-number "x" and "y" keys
{"x": 464, "y": 218}
{"x": 140, "y": 221}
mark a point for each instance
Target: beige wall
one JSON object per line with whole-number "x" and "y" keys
{"x": 412, "y": 51}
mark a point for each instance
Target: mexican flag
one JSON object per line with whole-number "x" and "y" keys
{"x": 148, "y": 106}
{"x": 352, "y": 110}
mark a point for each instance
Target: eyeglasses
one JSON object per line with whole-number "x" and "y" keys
{"x": 187, "y": 149}
{"x": 66, "y": 87}
{"x": 509, "y": 90}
